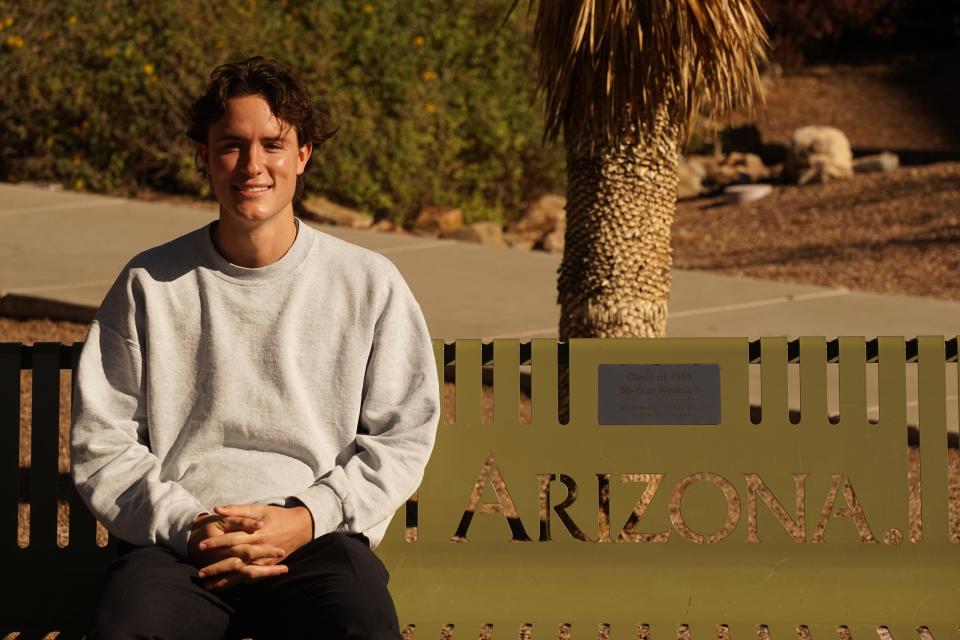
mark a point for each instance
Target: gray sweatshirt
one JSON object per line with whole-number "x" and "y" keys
{"x": 204, "y": 383}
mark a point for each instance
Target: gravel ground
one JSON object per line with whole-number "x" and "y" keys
{"x": 894, "y": 232}
{"x": 905, "y": 104}
{"x": 888, "y": 233}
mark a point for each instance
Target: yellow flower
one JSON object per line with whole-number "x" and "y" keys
{"x": 148, "y": 69}
{"x": 367, "y": 8}
{"x": 14, "y": 42}
{"x": 9, "y": 21}
{"x": 72, "y": 20}
{"x": 429, "y": 75}
{"x": 429, "y": 107}
{"x": 419, "y": 41}
{"x": 79, "y": 184}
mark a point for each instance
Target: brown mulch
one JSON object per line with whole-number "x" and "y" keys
{"x": 891, "y": 232}
{"x": 888, "y": 233}
{"x": 904, "y": 104}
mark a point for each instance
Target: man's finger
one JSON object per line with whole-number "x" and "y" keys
{"x": 239, "y": 523}
{"x": 227, "y": 565}
{"x": 247, "y": 574}
{"x": 261, "y": 554}
{"x": 244, "y": 510}
{"x": 265, "y": 562}
{"x": 228, "y": 540}
{"x": 252, "y": 552}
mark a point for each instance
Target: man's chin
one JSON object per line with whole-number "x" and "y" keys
{"x": 248, "y": 215}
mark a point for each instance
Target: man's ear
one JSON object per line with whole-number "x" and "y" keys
{"x": 304, "y": 155}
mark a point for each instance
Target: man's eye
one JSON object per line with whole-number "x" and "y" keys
{"x": 275, "y": 146}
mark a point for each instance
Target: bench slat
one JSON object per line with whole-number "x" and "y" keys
{"x": 773, "y": 379}
{"x": 933, "y": 436}
{"x": 44, "y": 475}
{"x": 468, "y": 372}
{"x": 506, "y": 381}
{"x": 9, "y": 442}
{"x": 543, "y": 382}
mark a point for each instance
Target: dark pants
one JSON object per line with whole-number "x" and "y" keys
{"x": 335, "y": 588}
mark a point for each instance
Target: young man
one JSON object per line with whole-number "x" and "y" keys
{"x": 254, "y": 401}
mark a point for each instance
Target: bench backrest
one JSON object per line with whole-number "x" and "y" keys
{"x": 664, "y": 500}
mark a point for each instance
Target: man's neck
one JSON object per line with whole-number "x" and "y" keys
{"x": 257, "y": 246}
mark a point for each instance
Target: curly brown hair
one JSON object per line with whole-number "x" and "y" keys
{"x": 273, "y": 81}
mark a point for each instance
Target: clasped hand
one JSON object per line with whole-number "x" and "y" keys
{"x": 243, "y": 543}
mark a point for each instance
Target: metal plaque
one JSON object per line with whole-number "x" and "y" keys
{"x": 651, "y": 394}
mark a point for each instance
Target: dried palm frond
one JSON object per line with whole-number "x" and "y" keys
{"x": 605, "y": 65}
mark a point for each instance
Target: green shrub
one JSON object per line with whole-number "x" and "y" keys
{"x": 435, "y": 105}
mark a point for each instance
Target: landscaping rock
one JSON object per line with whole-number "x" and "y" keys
{"x": 553, "y": 241}
{"x": 439, "y": 220}
{"x": 734, "y": 168}
{"x": 323, "y": 210}
{"x": 386, "y": 225}
{"x": 488, "y": 233}
{"x": 690, "y": 174}
{"x": 885, "y": 161}
{"x": 738, "y": 194}
{"x": 818, "y": 154}
{"x": 749, "y": 166}
{"x": 517, "y": 241}
{"x": 543, "y": 214}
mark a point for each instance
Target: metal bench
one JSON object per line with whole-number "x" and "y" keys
{"x": 666, "y": 508}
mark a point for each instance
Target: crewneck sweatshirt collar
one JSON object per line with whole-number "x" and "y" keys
{"x": 287, "y": 263}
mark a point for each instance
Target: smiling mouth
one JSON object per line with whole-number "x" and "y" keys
{"x": 252, "y": 192}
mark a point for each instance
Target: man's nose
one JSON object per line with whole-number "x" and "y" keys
{"x": 251, "y": 160}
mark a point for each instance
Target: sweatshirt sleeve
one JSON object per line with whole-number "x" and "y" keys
{"x": 113, "y": 468}
{"x": 399, "y": 413}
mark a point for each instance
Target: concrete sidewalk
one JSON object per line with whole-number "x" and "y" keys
{"x": 60, "y": 251}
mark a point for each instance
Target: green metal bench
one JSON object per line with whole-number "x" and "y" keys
{"x": 666, "y": 508}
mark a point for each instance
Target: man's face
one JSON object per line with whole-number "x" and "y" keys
{"x": 254, "y": 160}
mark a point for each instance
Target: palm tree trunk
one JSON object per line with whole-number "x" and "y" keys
{"x": 615, "y": 274}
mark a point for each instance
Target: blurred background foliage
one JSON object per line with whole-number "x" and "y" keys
{"x": 437, "y": 105}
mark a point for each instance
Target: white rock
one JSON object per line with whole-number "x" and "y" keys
{"x": 690, "y": 178}
{"x": 885, "y": 161}
{"x": 746, "y": 193}
{"x": 818, "y": 154}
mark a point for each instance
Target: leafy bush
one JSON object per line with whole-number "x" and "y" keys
{"x": 435, "y": 105}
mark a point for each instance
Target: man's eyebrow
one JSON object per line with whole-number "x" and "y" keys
{"x": 233, "y": 136}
